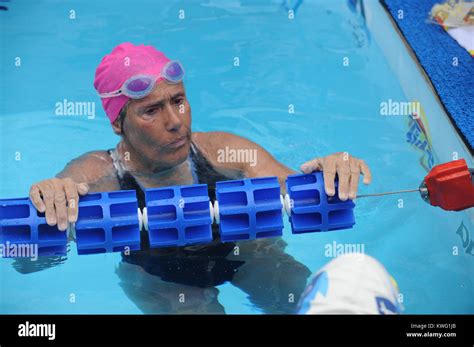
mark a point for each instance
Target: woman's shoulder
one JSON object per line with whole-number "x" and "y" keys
{"x": 95, "y": 168}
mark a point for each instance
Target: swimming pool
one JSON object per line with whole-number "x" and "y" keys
{"x": 328, "y": 65}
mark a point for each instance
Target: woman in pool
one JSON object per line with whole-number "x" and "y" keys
{"x": 144, "y": 97}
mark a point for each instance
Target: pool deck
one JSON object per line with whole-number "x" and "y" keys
{"x": 437, "y": 53}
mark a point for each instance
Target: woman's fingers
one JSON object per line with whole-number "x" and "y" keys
{"x": 365, "y": 171}
{"x": 355, "y": 175}
{"x": 72, "y": 197}
{"x": 329, "y": 174}
{"x": 348, "y": 170}
{"x": 311, "y": 166}
{"x": 58, "y": 199}
{"x": 82, "y": 188}
{"x": 47, "y": 191}
{"x": 60, "y": 205}
{"x": 35, "y": 198}
{"x": 344, "y": 175}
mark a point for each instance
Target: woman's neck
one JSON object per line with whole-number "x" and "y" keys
{"x": 150, "y": 174}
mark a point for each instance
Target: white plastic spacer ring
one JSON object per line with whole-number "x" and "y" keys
{"x": 145, "y": 218}
{"x": 283, "y": 209}
{"x": 140, "y": 219}
{"x": 216, "y": 212}
{"x": 211, "y": 211}
{"x": 288, "y": 204}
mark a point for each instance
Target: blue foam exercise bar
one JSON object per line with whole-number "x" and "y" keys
{"x": 312, "y": 210}
{"x": 178, "y": 215}
{"x": 249, "y": 208}
{"x": 245, "y": 209}
{"x": 21, "y": 224}
{"x": 108, "y": 222}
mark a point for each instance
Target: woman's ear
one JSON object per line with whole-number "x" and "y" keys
{"x": 117, "y": 126}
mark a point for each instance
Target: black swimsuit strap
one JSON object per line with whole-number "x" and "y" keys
{"x": 206, "y": 172}
{"x": 128, "y": 182}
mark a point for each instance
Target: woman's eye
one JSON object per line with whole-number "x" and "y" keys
{"x": 179, "y": 101}
{"x": 150, "y": 111}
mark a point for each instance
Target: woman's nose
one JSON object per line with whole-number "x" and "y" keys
{"x": 174, "y": 119}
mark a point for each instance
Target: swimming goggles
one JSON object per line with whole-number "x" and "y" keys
{"x": 139, "y": 86}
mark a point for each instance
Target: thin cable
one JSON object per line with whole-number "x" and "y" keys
{"x": 423, "y": 190}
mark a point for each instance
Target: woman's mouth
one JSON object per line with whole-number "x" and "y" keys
{"x": 179, "y": 142}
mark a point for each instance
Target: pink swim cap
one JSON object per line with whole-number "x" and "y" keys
{"x": 125, "y": 60}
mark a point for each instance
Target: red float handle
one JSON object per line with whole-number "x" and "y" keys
{"x": 450, "y": 186}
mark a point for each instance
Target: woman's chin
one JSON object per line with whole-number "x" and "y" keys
{"x": 179, "y": 155}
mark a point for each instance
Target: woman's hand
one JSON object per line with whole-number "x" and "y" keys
{"x": 58, "y": 198}
{"x": 348, "y": 169}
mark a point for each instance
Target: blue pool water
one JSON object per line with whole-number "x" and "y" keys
{"x": 282, "y": 62}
